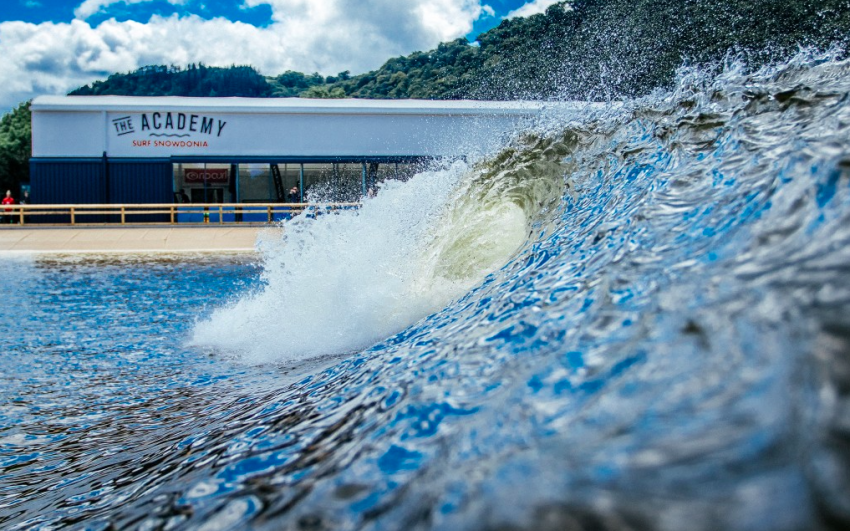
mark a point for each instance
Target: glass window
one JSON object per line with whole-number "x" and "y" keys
{"x": 377, "y": 173}
{"x": 291, "y": 177}
{"x": 333, "y": 182}
{"x": 203, "y": 183}
{"x": 256, "y": 182}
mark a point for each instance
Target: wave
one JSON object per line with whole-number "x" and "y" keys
{"x": 634, "y": 319}
{"x": 342, "y": 282}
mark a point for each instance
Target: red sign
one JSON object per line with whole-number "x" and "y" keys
{"x": 218, "y": 176}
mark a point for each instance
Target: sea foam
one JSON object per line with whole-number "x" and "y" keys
{"x": 341, "y": 282}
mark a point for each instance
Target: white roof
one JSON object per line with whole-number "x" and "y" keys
{"x": 291, "y": 105}
{"x": 162, "y": 127}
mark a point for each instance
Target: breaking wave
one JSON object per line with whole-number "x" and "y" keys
{"x": 636, "y": 318}
{"x": 632, "y": 314}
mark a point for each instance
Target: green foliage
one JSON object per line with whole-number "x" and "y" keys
{"x": 15, "y": 148}
{"x": 600, "y": 49}
{"x": 290, "y": 84}
{"x": 585, "y": 49}
{"x": 323, "y": 92}
{"x": 196, "y": 80}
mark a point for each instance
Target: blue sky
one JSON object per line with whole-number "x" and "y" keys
{"x": 38, "y": 11}
{"x": 53, "y": 46}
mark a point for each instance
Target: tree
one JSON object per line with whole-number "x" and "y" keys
{"x": 196, "y": 80}
{"x": 323, "y": 92}
{"x": 15, "y": 148}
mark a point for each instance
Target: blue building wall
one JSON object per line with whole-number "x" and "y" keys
{"x": 66, "y": 182}
{"x": 93, "y": 181}
{"x": 141, "y": 182}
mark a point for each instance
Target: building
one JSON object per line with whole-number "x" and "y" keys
{"x": 119, "y": 149}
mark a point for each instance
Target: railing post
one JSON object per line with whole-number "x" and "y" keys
{"x": 72, "y": 215}
{"x": 172, "y": 214}
{"x": 270, "y": 214}
{"x": 22, "y": 214}
{"x": 220, "y": 215}
{"x": 123, "y": 217}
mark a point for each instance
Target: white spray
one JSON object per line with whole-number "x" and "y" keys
{"x": 342, "y": 282}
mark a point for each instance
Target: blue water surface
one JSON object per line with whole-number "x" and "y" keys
{"x": 668, "y": 350}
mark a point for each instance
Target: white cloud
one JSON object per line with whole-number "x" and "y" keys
{"x": 326, "y": 36}
{"x": 416, "y": 24}
{"x": 532, "y": 8}
{"x": 92, "y": 7}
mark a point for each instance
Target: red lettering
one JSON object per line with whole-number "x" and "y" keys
{"x": 175, "y": 143}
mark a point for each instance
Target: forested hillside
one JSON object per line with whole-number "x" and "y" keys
{"x": 599, "y": 49}
{"x": 195, "y": 80}
{"x": 585, "y": 49}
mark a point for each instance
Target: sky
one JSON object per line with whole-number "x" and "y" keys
{"x": 54, "y": 46}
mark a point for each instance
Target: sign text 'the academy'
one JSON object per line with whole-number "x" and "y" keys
{"x": 167, "y": 121}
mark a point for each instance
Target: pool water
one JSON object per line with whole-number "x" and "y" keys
{"x": 639, "y": 319}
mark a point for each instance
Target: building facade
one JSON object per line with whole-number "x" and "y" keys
{"x": 119, "y": 149}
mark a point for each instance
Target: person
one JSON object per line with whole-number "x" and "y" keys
{"x": 8, "y": 200}
{"x": 184, "y": 197}
{"x": 25, "y": 200}
{"x": 294, "y": 197}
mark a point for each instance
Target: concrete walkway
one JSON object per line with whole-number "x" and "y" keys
{"x": 129, "y": 239}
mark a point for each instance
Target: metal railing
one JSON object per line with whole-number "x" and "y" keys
{"x": 167, "y": 213}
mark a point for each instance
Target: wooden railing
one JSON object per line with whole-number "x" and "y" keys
{"x": 166, "y": 213}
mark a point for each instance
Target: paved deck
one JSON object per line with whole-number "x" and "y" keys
{"x": 129, "y": 239}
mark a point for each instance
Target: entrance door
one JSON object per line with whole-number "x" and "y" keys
{"x": 209, "y": 195}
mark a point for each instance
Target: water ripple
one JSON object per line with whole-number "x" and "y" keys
{"x": 667, "y": 350}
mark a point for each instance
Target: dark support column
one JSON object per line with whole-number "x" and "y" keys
{"x": 278, "y": 183}
{"x": 234, "y": 187}
{"x": 364, "y": 179}
{"x": 206, "y": 186}
{"x": 301, "y": 183}
{"x": 105, "y": 179}
{"x": 372, "y": 176}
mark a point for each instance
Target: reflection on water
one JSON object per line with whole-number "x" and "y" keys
{"x": 668, "y": 349}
